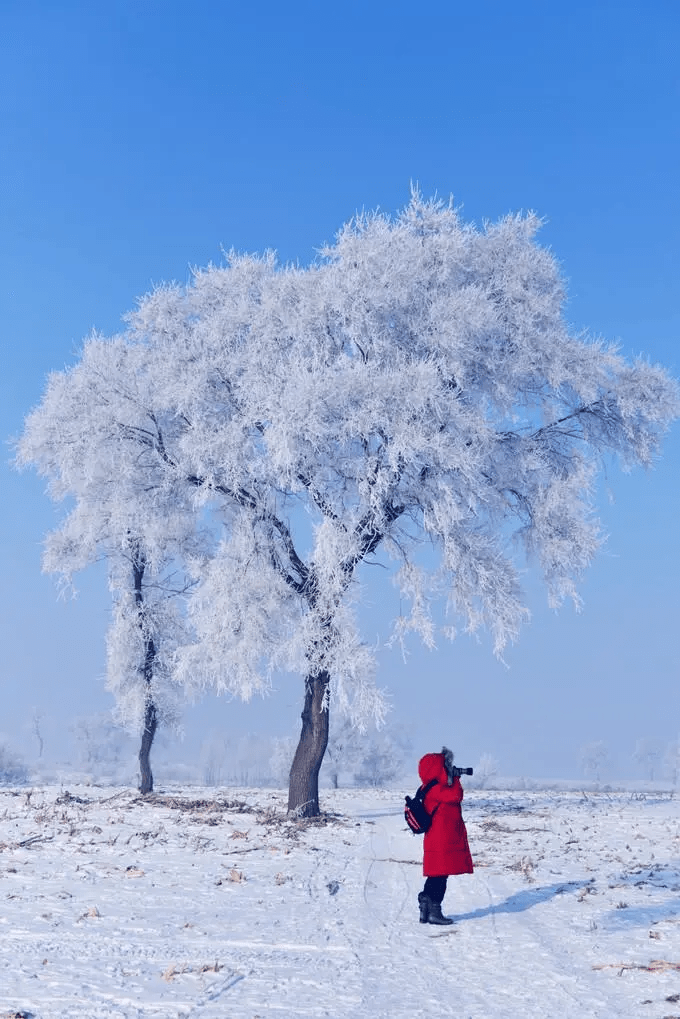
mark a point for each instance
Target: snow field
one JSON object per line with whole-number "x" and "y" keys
{"x": 190, "y": 904}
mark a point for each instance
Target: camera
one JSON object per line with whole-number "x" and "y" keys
{"x": 457, "y": 772}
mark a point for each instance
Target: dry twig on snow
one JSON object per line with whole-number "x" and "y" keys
{"x": 655, "y": 966}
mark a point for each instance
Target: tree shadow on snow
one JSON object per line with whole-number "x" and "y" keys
{"x": 520, "y": 901}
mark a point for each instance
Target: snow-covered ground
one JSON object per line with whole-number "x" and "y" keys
{"x": 218, "y": 905}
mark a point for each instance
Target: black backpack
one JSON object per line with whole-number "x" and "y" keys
{"x": 417, "y": 818}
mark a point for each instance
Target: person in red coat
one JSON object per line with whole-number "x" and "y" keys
{"x": 445, "y": 847}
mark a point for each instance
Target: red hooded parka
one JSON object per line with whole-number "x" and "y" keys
{"x": 445, "y": 847}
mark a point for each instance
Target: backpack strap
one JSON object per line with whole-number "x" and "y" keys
{"x": 426, "y": 788}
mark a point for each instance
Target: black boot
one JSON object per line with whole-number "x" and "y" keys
{"x": 435, "y": 915}
{"x": 424, "y": 904}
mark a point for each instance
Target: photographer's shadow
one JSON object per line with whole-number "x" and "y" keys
{"x": 520, "y": 901}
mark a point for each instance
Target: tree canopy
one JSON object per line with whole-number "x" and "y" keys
{"x": 273, "y": 426}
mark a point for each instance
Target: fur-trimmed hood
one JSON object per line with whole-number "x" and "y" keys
{"x": 435, "y": 766}
{"x": 439, "y": 766}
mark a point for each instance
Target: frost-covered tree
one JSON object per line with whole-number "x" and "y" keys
{"x": 246, "y": 761}
{"x": 345, "y": 751}
{"x": 671, "y": 761}
{"x": 594, "y": 757}
{"x": 418, "y": 383}
{"x": 13, "y": 771}
{"x": 214, "y": 751}
{"x": 141, "y": 641}
{"x": 36, "y": 729}
{"x": 100, "y": 743}
{"x": 486, "y": 770}
{"x": 383, "y": 758}
{"x": 281, "y": 759}
{"x": 648, "y": 753}
{"x": 122, "y": 512}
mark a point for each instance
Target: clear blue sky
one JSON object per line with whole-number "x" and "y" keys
{"x": 139, "y": 138}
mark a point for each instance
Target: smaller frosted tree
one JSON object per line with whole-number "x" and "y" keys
{"x": 122, "y": 514}
{"x": 144, "y": 634}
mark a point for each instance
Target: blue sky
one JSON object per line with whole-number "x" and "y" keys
{"x": 141, "y": 138}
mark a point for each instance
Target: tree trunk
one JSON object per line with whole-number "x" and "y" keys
{"x": 150, "y": 721}
{"x": 150, "y": 716}
{"x": 150, "y": 725}
{"x": 303, "y": 788}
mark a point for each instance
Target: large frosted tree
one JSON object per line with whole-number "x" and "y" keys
{"x": 418, "y": 383}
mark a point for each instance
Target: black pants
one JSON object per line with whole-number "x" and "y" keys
{"x": 435, "y": 888}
